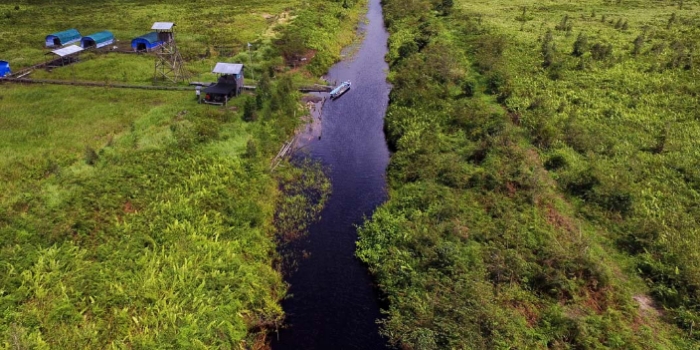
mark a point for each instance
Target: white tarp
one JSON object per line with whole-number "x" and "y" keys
{"x": 68, "y": 50}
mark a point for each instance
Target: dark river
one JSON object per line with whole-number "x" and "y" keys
{"x": 332, "y": 302}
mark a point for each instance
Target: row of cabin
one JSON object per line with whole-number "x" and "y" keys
{"x": 70, "y": 36}
{"x": 162, "y": 34}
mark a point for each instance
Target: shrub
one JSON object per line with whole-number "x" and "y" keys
{"x": 548, "y": 49}
{"x": 250, "y": 109}
{"x": 251, "y": 149}
{"x": 671, "y": 21}
{"x": 638, "y": 42}
{"x": 498, "y": 83}
{"x": 581, "y": 183}
{"x": 580, "y": 45}
{"x": 556, "y": 161}
{"x": 601, "y": 51}
{"x": 90, "y": 156}
{"x": 206, "y": 129}
{"x": 564, "y": 25}
{"x": 469, "y": 87}
{"x": 489, "y": 51}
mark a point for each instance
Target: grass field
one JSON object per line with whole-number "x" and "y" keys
{"x": 545, "y": 177}
{"x": 141, "y": 219}
{"x": 199, "y": 25}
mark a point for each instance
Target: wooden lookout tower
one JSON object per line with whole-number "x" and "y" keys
{"x": 169, "y": 64}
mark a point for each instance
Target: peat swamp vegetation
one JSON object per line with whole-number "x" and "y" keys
{"x": 141, "y": 219}
{"x": 544, "y": 190}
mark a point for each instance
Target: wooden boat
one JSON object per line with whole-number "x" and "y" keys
{"x": 340, "y": 89}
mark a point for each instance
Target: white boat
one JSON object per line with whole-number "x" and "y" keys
{"x": 340, "y": 89}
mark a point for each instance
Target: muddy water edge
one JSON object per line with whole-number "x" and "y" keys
{"x": 332, "y": 302}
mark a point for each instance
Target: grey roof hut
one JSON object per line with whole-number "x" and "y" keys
{"x": 229, "y": 84}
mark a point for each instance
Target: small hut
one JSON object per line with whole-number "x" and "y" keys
{"x": 146, "y": 42}
{"x": 97, "y": 40}
{"x": 4, "y": 68}
{"x": 66, "y": 56}
{"x": 164, "y": 30}
{"x": 229, "y": 84}
{"x": 62, "y": 38}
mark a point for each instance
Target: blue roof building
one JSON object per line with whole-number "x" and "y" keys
{"x": 4, "y": 68}
{"x": 146, "y": 42}
{"x": 62, "y": 38}
{"x": 97, "y": 40}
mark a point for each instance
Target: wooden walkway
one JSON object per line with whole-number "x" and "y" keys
{"x": 95, "y": 84}
{"x": 313, "y": 88}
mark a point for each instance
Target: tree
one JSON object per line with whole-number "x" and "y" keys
{"x": 548, "y": 49}
{"x": 580, "y": 45}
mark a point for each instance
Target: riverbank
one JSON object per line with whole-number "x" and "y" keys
{"x": 521, "y": 190}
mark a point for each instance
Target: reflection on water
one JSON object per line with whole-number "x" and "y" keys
{"x": 333, "y": 304}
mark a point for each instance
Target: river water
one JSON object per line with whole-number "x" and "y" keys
{"x": 333, "y": 303}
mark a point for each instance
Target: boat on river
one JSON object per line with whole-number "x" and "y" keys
{"x": 340, "y": 89}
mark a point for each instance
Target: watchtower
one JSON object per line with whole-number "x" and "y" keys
{"x": 169, "y": 64}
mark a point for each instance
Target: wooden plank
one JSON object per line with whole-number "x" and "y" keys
{"x": 95, "y": 84}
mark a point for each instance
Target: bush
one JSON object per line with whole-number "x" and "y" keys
{"x": 468, "y": 87}
{"x": 250, "y": 109}
{"x": 601, "y": 51}
{"x": 251, "y": 149}
{"x": 90, "y": 156}
{"x": 580, "y": 45}
{"x": 556, "y": 161}
{"x": 638, "y": 42}
{"x": 564, "y": 25}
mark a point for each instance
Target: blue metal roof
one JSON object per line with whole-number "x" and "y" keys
{"x": 151, "y": 38}
{"x": 66, "y": 37}
{"x": 100, "y": 37}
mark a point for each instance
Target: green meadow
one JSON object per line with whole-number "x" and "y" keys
{"x": 544, "y": 188}
{"x": 141, "y": 219}
{"x": 200, "y": 26}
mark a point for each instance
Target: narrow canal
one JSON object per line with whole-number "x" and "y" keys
{"x": 332, "y": 303}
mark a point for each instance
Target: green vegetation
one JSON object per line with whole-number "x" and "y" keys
{"x": 206, "y": 32}
{"x": 544, "y": 186}
{"x": 141, "y": 219}
{"x": 133, "y": 229}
